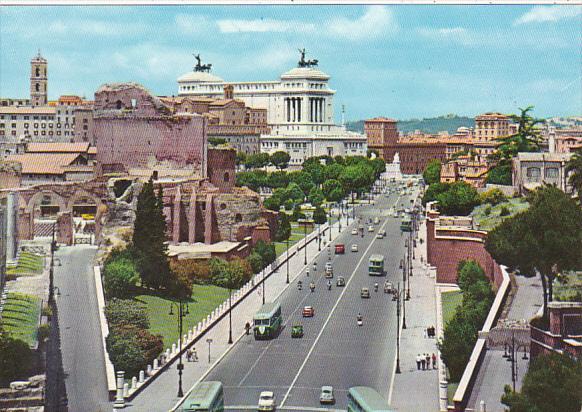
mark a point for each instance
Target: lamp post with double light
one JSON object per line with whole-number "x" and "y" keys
{"x": 182, "y": 312}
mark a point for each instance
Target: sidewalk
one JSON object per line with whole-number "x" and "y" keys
{"x": 417, "y": 390}
{"x": 160, "y": 395}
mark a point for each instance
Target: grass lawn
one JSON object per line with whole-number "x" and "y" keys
{"x": 569, "y": 287}
{"x": 488, "y": 222}
{"x": 450, "y": 301}
{"x": 204, "y": 299}
{"x": 296, "y": 235}
{"x": 451, "y": 389}
{"x": 28, "y": 263}
{"x": 20, "y": 316}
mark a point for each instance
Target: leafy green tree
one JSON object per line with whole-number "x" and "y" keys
{"x": 553, "y": 382}
{"x": 283, "y": 228}
{"x": 314, "y": 167}
{"x": 319, "y": 216}
{"x": 254, "y": 179}
{"x": 278, "y": 179}
{"x": 216, "y": 141}
{"x": 469, "y": 272}
{"x": 295, "y": 193}
{"x": 297, "y": 213}
{"x": 574, "y": 167}
{"x": 459, "y": 337}
{"x": 257, "y": 160}
{"x": 527, "y": 138}
{"x": 333, "y": 171}
{"x": 131, "y": 349}
{"x": 120, "y": 312}
{"x": 500, "y": 174}
{"x": 119, "y": 277}
{"x": 280, "y": 159}
{"x": 267, "y": 252}
{"x": 432, "y": 172}
{"x": 16, "y": 359}
{"x": 315, "y": 196}
{"x": 544, "y": 239}
{"x": 333, "y": 190}
{"x": 273, "y": 202}
{"x": 149, "y": 238}
{"x": 227, "y": 273}
{"x": 241, "y": 158}
{"x": 303, "y": 180}
{"x": 433, "y": 191}
{"x": 493, "y": 196}
{"x": 256, "y": 262}
{"x": 356, "y": 178}
{"x": 459, "y": 200}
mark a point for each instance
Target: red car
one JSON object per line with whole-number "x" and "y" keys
{"x": 308, "y": 311}
{"x": 340, "y": 249}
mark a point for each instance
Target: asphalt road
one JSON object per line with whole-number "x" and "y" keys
{"x": 80, "y": 333}
{"x": 334, "y": 350}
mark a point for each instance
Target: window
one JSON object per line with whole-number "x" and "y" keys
{"x": 238, "y": 218}
{"x": 552, "y": 172}
{"x": 14, "y": 125}
{"x": 36, "y": 132}
{"x": 26, "y": 125}
{"x": 223, "y": 206}
{"x": 533, "y": 172}
{"x": 13, "y": 117}
{"x": 226, "y": 177}
{"x": 37, "y": 87}
{"x": 37, "y": 71}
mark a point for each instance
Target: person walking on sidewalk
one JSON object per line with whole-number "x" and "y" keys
{"x": 434, "y": 359}
{"x": 427, "y": 358}
{"x": 418, "y": 362}
{"x": 423, "y": 362}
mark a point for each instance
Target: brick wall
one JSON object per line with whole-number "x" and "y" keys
{"x": 221, "y": 168}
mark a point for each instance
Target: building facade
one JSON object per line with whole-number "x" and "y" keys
{"x": 490, "y": 126}
{"x": 38, "y": 81}
{"x": 532, "y": 170}
{"x": 299, "y": 110}
{"x": 27, "y": 123}
{"x": 382, "y": 135}
{"x": 136, "y": 130}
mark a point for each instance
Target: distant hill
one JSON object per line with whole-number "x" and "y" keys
{"x": 449, "y": 123}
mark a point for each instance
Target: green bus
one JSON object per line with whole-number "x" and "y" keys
{"x": 406, "y": 224}
{"x": 267, "y": 321}
{"x": 376, "y": 265}
{"x": 365, "y": 399}
{"x": 204, "y": 397}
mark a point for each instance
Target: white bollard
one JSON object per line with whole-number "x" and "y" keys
{"x": 125, "y": 390}
{"x": 133, "y": 383}
{"x": 167, "y": 355}
{"x": 173, "y": 349}
{"x": 199, "y": 327}
{"x": 443, "y": 398}
{"x": 141, "y": 376}
{"x": 119, "y": 399}
{"x": 190, "y": 335}
{"x": 156, "y": 364}
{"x": 184, "y": 340}
{"x": 482, "y": 406}
{"x": 149, "y": 370}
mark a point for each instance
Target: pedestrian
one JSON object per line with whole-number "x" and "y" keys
{"x": 194, "y": 355}
{"x": 248, "y": 328}
{"x": 423, "y": 362}
{"x": 434, "y": 359}
{"x": 189, "y": 355}
{"x": 418, "y": 362}
{"x": 427, "y": 357}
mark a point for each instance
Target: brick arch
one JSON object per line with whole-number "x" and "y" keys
{"x": 35, "y": 199}
{"x": 82, "y": 194}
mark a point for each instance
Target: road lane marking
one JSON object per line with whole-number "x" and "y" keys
{"x": 364, "y": 255}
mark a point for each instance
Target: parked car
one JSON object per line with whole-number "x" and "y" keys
{"x": 354, "y": 231}
{"x": 308, "y": 312}
{"x": 365, "y": 293}
{"x": 326, "y": 395}
{"x": 266, "y": 401}
{"x": 354, "y": 248}
{"x": 340, "y": 281}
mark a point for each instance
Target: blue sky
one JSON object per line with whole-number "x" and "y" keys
{"x": 396, "y": 61}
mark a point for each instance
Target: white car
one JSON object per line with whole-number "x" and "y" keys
{"x": 326, "y": 395}
{"x": 266, "y": 401}
{"x": 355, "y": 232}
{"x": 370, "y": 228}
{"x": 354, "y": 248}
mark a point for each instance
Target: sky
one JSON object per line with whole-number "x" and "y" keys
{"x": 399, "y": 61}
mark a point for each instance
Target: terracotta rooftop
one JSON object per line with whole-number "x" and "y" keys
{"x": 44, "y": 163}
{"x": 381, "y": 119}
{"x": 28, "y": 110}
{"x": 79, "y": 147}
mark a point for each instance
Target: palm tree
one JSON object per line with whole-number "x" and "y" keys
{"x": 527, "y": 138}
{"x": 574, "y": 167}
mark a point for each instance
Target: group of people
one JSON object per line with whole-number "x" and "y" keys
{"x": 423, "y": 361}
{"x": 430, "y": 332}
{"x": 192, "y": 355}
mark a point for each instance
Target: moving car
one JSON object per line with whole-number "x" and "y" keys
{"x": 388, "y": 287}
{"x": 308, "y": 312}
{"x": 365, "y": 293}
{"x": 354, "y": 248}
{"x": 340, "y": 281}
{"x": 354, "y": 231}
{"x": 370, "y": 228}
{"x": 326, "y": 395}
{"x": 297, "y": 331}
{"x": 340, "y": 249}
{"x": 328, "y": 270}
{"x": 382, "y": 232}
{"x": 380, "y": 235}
{"x": 266, "y": 401}
{"x": 376, "y": 220}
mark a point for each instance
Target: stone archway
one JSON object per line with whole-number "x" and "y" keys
{"x": 46, "y": 203}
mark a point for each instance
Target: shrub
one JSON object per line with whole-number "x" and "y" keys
{"x": 266, "y": 251}
{"x": 126, "y": 312}
{"x": 125, "y": 353}
{"x": 487, "y": 210}
{"x": 43, "y": 332}
{"x": 256, "y": 262}
{"x": 16, "y": 359}
{"x": 198, "y": 272}
{"x": 493, "y": 197}
{"x": 119, "y": 277}
{"x": 504, "y": 211}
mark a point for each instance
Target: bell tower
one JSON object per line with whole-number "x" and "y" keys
{"x": 38, "y": 81}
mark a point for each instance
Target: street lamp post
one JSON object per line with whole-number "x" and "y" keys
{"x": 263, "y": 282}
{"x": 329, "y": 225}
{"x": 51, "y": 269}
{"x": 319, "y": 237}
{"x": 230, "y": 308}
{"x": 209, "y": 341}
{"x": 398, "y": 330}
{"x": 288, "y": 259}
{"x": 181, "y": 314}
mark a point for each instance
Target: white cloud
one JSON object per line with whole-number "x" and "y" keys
{"x": 377, "y": 20}
{"x": 457, "y": 34}
{"x": 191, "y": 24}
{"x": 263, "y": 26}
{"x": 548, "y": 14}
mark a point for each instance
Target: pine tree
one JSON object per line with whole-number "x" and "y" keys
{"x": 149, "y": 237}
